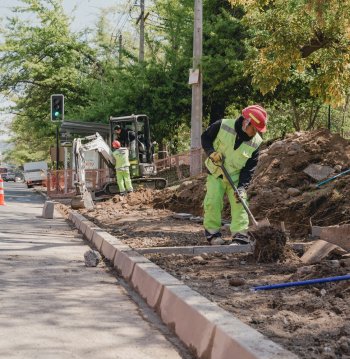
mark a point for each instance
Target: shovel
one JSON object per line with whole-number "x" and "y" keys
{"x": 256, "y": 224}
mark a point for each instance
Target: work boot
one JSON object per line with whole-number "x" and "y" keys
{"x": 122, "y": 193}
{"x": 241, "y": 238}
{"x": 130, "y": 191}
{"x": 214, "y": 239}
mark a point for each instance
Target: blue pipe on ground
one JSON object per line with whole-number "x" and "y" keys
{"x": 300, "y": 283}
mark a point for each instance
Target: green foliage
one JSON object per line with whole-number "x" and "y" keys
{"x": 308, "y": 37}
{"x": 41, "y": 58}
{"x": 295, "y": 53}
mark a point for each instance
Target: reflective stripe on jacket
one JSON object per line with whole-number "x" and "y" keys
{"x": 235, "y": 160}
{"x": 121, "y": 156}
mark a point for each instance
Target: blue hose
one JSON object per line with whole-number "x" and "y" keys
{"x": 332, "y": 178}
{"x": 300, "y": 283}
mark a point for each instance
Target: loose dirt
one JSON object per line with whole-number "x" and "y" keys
{"x": 311, "y": 321}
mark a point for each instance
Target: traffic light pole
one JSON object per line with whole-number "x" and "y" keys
{"x": 57, "y": 146}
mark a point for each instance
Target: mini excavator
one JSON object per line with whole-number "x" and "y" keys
{"x": 142, "y": 168}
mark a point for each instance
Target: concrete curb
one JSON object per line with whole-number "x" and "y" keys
{"x": 206, "y": 329}
{"x": 242, "y": 248}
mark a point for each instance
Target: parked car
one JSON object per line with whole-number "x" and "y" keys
{"x": 9, "y": 177}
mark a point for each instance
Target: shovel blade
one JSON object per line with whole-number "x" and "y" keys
{"x": 263, "y": 223}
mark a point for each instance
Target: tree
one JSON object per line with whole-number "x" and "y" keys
{"x": 38, "y": 59}
{"x": 300, "y": 36}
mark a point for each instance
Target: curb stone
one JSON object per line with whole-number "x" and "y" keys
{"x": 207, "y": 329}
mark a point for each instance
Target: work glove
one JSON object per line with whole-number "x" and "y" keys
{"x": 216, "y": 158}
{"x": 241, "y": 192}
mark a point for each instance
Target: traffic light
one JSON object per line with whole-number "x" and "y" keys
{"x": 57, "y": 107}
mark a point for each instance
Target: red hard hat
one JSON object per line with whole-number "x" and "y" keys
{"x": 257, "y": 116}
{"x": 116, "y": 144}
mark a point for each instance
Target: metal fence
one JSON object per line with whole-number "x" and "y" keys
{"x": 60, "y": 184}
{"x": 176, "y": 168}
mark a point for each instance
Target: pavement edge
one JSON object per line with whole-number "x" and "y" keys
{"x": 203, "y": 326}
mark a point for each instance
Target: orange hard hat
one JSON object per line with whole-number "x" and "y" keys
{"x": 116, "y": 144}
{"x": 257, "y": 116}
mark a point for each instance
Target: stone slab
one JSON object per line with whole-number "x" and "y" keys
{"x": 124, "y": 262}
{"x": 98, "y": 238}
{"x": 195, "y": 250}
{"x": 149, "y": 280}
{"x": 183, "y": 310}
{"x": 108, "y": 250}
{"x": 236, "y": 340}
{"x": 338, "y": 235}
{"x": 316, "y": 231}
{"x": 319, "y": 250}
{"x": 78, "y": 218}
{"x": 318, "y": 172}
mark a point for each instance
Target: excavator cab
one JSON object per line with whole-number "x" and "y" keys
{"x": 133, "y": 132}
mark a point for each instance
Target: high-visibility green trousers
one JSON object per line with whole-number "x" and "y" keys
{"x": 124, "y": 180}
{"x": 214, "y": 202}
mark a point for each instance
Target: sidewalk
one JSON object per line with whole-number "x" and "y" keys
{"x": 52, "y": 306}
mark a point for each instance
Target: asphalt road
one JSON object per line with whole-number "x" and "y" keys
{"x": 52, "y": 306}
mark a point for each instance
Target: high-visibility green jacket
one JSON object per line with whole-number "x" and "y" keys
{"x": 224, "y": 142}
{"x": 121, "y": 156}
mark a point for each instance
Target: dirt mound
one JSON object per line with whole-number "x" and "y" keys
{"x": 186, "y": 197}
{"x": 282, "y": 191}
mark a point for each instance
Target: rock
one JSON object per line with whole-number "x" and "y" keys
{"x": 296, "y": 147}
{"x": 92, "y": 258}
{"x": 236, "y": 282}
{"x": 337, "y": 168}
{"x": 293, "y": 192}
{"x": 276, "y": 147}
{"x": 292, "y": 153}
{"x": 318, "y": 172}
{"x": 198, "y": 259}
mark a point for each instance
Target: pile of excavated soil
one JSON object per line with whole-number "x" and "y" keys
{"x": 281, "y": 191}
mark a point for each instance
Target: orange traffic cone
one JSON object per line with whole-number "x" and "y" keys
{"x": 2, "y": 194}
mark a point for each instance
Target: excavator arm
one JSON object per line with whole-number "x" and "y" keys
{"x": 95, "y": 142}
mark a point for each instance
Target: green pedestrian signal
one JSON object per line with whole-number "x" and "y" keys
{"x": 57, "y": 107}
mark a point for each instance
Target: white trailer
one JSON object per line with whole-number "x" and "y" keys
{"x": 35, "y": 173}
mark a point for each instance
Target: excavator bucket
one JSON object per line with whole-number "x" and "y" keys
{"x": 82, "y": 201}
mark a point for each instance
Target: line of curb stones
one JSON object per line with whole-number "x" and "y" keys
{"x": 204, "y": 327}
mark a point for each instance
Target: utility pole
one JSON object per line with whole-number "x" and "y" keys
{"x": 142, "y": 31}
{"x": 120, "y": 49}
{"x": 197, "y": 86}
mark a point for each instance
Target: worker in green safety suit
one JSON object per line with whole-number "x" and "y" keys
{"x": 122, "y": 164}
{"x": 237, "y": 142}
